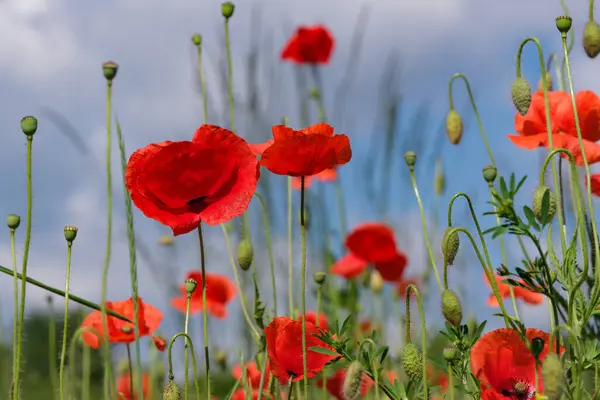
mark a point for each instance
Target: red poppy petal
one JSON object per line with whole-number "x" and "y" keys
{"x": 260, "y": 148}
{"x": 319, "y": 129}
{"x": 373, "y": 242}
{"x": 159, "y": 343}
{"x": 349, "y": 266}
{"x": 297, "y": 183}
{"x": 531, "y": 142}
{"x": 588, "y": 110}
{"x": 393, "y": 269}
{"x": 282, "y": 133}
{"x": 328, "y": 175}
{"x": 595, "y": 184}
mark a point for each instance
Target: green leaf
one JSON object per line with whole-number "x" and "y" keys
{"x": 503, "y": 188}
{"x": 323, "y": 350}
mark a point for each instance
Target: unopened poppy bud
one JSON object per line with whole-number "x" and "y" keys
{"x": 552, "y": 376}
{"x": 563, "y": 23}
{"x": 489, "y": 173}
{"x": 451, "y": 308}
{"x": 13, "y": 221}
{"x": 454, "y": 126}
{"x": 449, "y": 353}
{"x": 376, "y": 282}
{"x": 197, "y": 39}
{"x": 70, "y": 233}
{"x": 110, "y": 70}
{"x": 450, "y": 243}
{"x": 245, "y": 254}
{"x": 411, "y": 158}
{"x": 171, "y": 391}
{"x": 166, "y": 240}
{"x": 521, "y": 95}
{"x": 412, "y": 361}
{"x": 29, "y": 125}
{"x": 227, "y": 9}
{"x": 440, "y": 179}
{"x": 352, "y": 385}
{"x": 190, "y": 286}
{"x": 537, "y": 345}
{"x": 538, "y": 199}
{"x": 549, "y": 83}
{"x": 221, "y": 359}
{"x": 591, "y": 39}
{"x": 319, "y": 277}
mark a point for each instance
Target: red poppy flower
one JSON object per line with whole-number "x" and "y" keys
{"x": 328, "y": 175}
{"x": 309, "y": 45}
{"x": 402, "y": 287}
{"x": 180, "y": 184}
{"x": 595, "y": 184}
{"x": 219, "y": 292}
{"x": 284, "y": 348}
{"x": 124, "y": 387}
{"x": 305, "y": 152}
{"x": 311, "y": 317}
{"x": 240, "y": 394}
{"x": 532, "y": 131}
{"x": 528, "y": 296}
{"x": 335, "y": 384}
{"x": 349, "y": 266}
{"x": 253, "y": 374}
{"x": 119, "y": 331}
{"x": 502, "y": 361}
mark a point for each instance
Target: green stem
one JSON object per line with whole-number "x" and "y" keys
{"x": 424, "y": 225}
{"x": 319, "y": 300}
{"x": 52, "y": 348}
{"x": 290, "y": 222}
{"x": 16, "y": 383}
{"x": 186, "y": 355}
{"x": 170, "y": 359}
{"x": 591, "y": 10}
{"x": 450, "y": 383}
{"x": 303, "y": 279}
{"x": 229, "y": 77}
{"x": 130, "y": 364}
{"x": 263, "y": 372}
{"x": 85, "y": 385}
{"x": 204, "y": 312}
{"x": 202, "y": 85}
{"x": 269, "y": 250}
{"x": 76, "y": 339}
{"x": 16, "y": 310}
{"x": 423, "y": 329}
{"x": 290, "y": 387}
{"x": 63, "y": 352}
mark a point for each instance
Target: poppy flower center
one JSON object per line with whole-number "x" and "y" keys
{"x": 521, "y": 390}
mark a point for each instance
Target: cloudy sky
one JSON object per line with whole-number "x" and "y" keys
{"x": 51, "y": 63}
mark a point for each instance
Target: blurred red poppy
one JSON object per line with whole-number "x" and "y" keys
{"x": 595, "y": 184}
{"x": 309, "y": 45}
{"x": 335, "y": 384}
{"x": 402, "y": 287}
{"x": 528, "y": 296}
{"x": 311, "y": 317}
{"x": 532, "y": 131}
{"x": 180, "y": 184}
{"x": 502, "y": 361}
{"x": 219, "y": 292}
{"x": 253, "y": 374}
{"x": 119, "y": 331}
{"x": 124, "y": 387}
{"x": 284, "y": 348}
{"x": 305, "y": 152}
{"x": 328, "y": 175}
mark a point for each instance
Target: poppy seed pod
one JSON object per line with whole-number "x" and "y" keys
{"x": 190, "y": 286}
{"x": 549, "y": 83}
{"x": 563, "y": 23}
{"x": 70, "y": 233}
{"x": 591, "y": 39}
{"x": 451, "y": 242}
{"x": 319, "y": 277}
{"x": 489, "y": 173}
{"x": 521, "y": 95}
{"x": 538, "y": 199}
{"x": 171, "y": 391}
{"x": 537, "y": 346}
{"x": 412, "y": 360}
{"x": 197, "y": 39}
{"x": 454, "y": 126}
{"x": 110, "y": 69}
{"x": 227, "y": 9}
{"x": 451, "y": 308}
{"x": 552, "y": 376}
{"x": 440, "y": 179}
{"x": 352, "y": 385}
{"x": 245, "y": 254}
{"x": 376, "y": 282}
{"x": 449, "y": 353}
{"x": 411, "y": 158}
{"x": 13, "y": 221}
{"x": 29, "y": 125}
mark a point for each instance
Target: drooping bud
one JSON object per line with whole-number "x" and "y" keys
{"x": 227, "y": 9}
{"x": 110, "y": 69}
{"x": 450, "y": 243}
{"x": 221, "y": 359}
{"x": 537, "y": 346}
{"x": 166, "y": 240}
{"x": 489, "y": 173}
{"x": 412, "y": 361}
{"x": 70, "y": 233}
{"x": 538, "y": 199}
{"x": 197, "y": 39}
{"x": 190, "y": 286}
{"x": 29, "y": 125}
{"x": 563, "y": 23}
{"x": 376, "y": 282}
{"x": 245, "y": 254}
{"x": 352, "y": 385}
{"x": 319, "y": 277}
{"x": 449, "y": 353}
{"x": 454, "y": 126}
{"x": 521, "y": 95}
{"x": 440, "y": 178}
{"x": 451, "y": 308}
{"x": 171, "y": 391}
{"x": 13, "y": 221}
{"x": 591, "y": 39}
{"x": 411, "y": 158}
{"x": 549, "y": 83}
{"x": 552, "y": 376}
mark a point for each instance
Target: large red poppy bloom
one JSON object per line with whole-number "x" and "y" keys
{"x": 305, "y": 152}
{"x": 219, "y": 292}
{"x": 311, "y": 317}
{"x": 528, "y": 296}
{"x": 504, "y": 364}
{"x": 532, "y": 129}
{"x": 284, "y": 348}
{"x": 125, "y": 390}
{"x": 119, "y": 331}
{"x": 595, "y": 184}
{"x": 371, "y": 243}
{"x": 253, "y": 374}
{"x": 309, "y": 45}
{"x": 335, "y": 384}
{"x": 180, "y": 184}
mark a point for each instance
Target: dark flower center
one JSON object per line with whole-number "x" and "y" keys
{"x": 521, "y": 390}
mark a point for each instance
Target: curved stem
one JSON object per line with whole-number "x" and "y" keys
{"x": 423, "y": 330}
{"x": 269, "y": 250}
{"x": 303, "y": 279}
{"x": 63, "y": 351}
{"x": 193, "y": 352}
{"x": 204, "y": 313}
{"x": 76, "y": 338}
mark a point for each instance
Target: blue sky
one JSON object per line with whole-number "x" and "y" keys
{"x": 53, "y": 59}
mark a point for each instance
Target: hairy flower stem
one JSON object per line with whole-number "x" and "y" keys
{"x": 202, "y": 85}
{"x": 63, "y": 351}
{"x": 13, "y": 252}
{"x": 192, "y": 351}
{"x": 423, "y": 329}
{"x": 75, "y": 340}
{"x": 265, "y": 215}
{"x": 52, "y": 349}
{"x": 204, "y": 313}
{"x": 16, "y": 382}
{"x": 303, "y": 278}
{"x": 186, "y": 347}
{"x": 263, "y": 372}
{"x": 130, "y": 366}
{"x": 424, "y": 225}
{"x": 319, "y": 301}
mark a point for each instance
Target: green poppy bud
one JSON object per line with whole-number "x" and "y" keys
{"x": 227, "y": 9}
{"x": 591, "y": 39}
{"x": 489, "y": 173}
{"x": 13, "y": 221}
{"x": 70, "y": 233}
{"x": 454, "y": 126}
{"x": 412, "y": 360}
{"x": 352, "y": 385}
{"x": 171, "y": 391}
{"x": 552, "y": 376}
{"x": 110, "y": 69}
{"x": 451, "y": 308}
{"x": 538, "y": 198}
{"x": 411, "y": 158}
{"x": 521, "y": 95}
{"x": 245, "y": 254}
{"x": 29, "y": 125}
{"x": 450, "y": 243}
